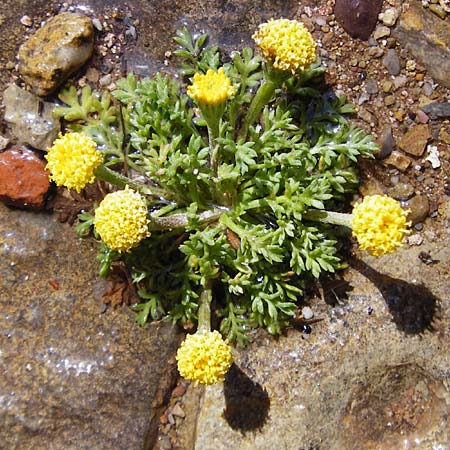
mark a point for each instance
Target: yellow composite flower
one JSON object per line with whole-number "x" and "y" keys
{"x": 212, "y": 88}
{"x": 287, "y": 44}
{"x": 121, "y": 220}
{"x": 204, "y": 357}
{"x": 72, "y": 159}
{"x": 379, "y": 224}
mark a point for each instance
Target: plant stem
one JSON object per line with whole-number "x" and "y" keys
{"x": 204, "y": 310}
{"x": 181, "y": 220}
{"x": 261, "y": 99}
{"x": 108, "y": 175}
{"x": 332, "y": 217}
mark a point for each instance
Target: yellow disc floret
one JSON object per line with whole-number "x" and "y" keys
{"x": 204, "y": 357}
{"x": 379, "y": 224}
{"x": 121, "y": 220}
{"x": 72, "y": 159}
{"x": 213, "y": 88}
{"x": 287, "y": 44}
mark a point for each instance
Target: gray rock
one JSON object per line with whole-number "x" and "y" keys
{"x": 55, "y": 51}
{"x": 392, "y": 62}
{"x": 30, "y": 118}
{"x": 358, "y": 18}
{"x": 387, "y": 143}
{"x": 371, "y": 87}
{"x": 437, "y": 109}
{"x": 400, "y": 81}
{"x": 72, "y": 378}
{"x": 427, "y": 39}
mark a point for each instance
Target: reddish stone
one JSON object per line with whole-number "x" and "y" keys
{"x": 358, "y": 17}
{"x": 24, "y": 182}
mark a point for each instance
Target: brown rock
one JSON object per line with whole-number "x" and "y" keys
{"x": 398, "y": 160}
{"x": 427, "y": 38}
{"x": 55, "y": 51}
{"x": 419, "y": 208}
{"x": 358, "y": 18}
{"x": 415, "y": 140}
{"x": 24, "y": 182}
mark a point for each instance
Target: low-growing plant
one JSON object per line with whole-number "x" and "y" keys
{"x": 232, "y": 179}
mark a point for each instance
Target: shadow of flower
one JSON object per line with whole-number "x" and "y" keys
{"x": 247, "y": 403}
{"x": 413, "y": 306}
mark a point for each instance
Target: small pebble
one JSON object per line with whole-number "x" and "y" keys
{"x": 105, "y": 80}
{"x": 389, "y": 100}
{"x": 415, "y": 239}
{"x": 392, "y": 62}
{"x": 26, "y": 20}
{"x": 371, "y": 87}
{"x": 438, "y": 10}
{"x": 381, "y": 32}
{"x": 389, "y": 17}
{"x": 307, "y": 313}
{"x": 97, "y": 24}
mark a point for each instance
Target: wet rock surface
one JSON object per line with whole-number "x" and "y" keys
{"x": 24, "y": 182}
{"x": 427, "y": 38}
{"x": 72, "y": 378}
{"x": 372, "y": 374}
{"x": 297, "y": 391}
{"x": 31, "y": 119}
{"x": 55, "y": 51}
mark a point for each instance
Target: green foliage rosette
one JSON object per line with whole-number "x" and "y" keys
{"x": 238, "y": 162}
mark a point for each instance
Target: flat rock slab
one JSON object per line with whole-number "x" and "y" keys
{"x": 427, "y": 38}
{"x": 72, "y": 378}
{"x": 372, "y": 374}
{"x": 55, "y": 51}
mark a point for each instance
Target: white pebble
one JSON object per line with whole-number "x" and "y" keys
{"x": 307, "y": 313}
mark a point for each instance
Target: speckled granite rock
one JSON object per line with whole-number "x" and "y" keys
{"x": 24, "y": 182}
{"x": 374, "y": 373}
{"x": 30, "y": 119}
{"x": 427, "y": 38}
{"x": 358, "y": 17}
{"x": 72, "y": 378}
{"x": 55, "y": 51}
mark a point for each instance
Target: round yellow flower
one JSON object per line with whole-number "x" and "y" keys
{"x": 72, "y": 159}
{"x": 287, "y": 43}
{"x": 204, "y": 357}
{"x": 121, "y": 220}
{"x": 379, "y": 224}
{"x": 213, "y": 88}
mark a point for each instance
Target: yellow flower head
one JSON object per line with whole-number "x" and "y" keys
{"x": 213, "y": 88}
{"x": 72, "y": 159}
{"x": 379, "y": 224}
{"x": 287, "y": 43}
{"x": 204, "y": 357}
{"x": 121, "y": 220}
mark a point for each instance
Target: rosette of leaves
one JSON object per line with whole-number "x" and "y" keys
{"x": 238, "y": 226}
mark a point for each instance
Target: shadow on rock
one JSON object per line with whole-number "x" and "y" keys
{"x": 247, "y": 403}
{"x": 413, "y": 306}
